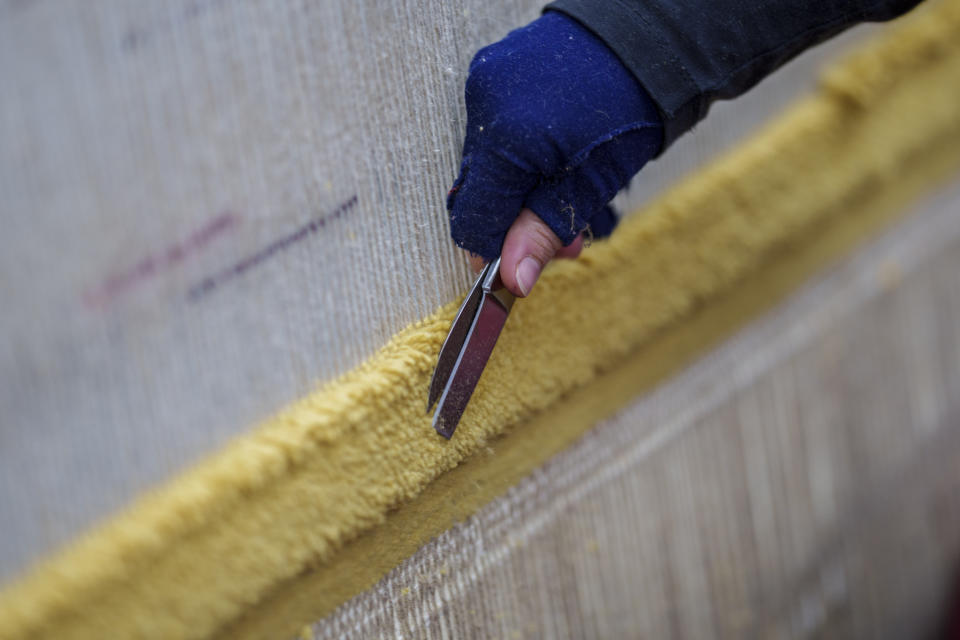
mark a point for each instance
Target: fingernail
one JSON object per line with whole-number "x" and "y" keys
{"x": 527, "y": 273}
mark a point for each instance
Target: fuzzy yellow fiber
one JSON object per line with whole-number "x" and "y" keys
{"x": 282, "y": 502}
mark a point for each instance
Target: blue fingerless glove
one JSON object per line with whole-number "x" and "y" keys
{"x": 555, "y": 123}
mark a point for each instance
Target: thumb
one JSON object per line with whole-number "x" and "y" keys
{"x": 528, "y": 247}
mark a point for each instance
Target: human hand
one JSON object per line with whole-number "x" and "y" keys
{"x": 556, "y": 125}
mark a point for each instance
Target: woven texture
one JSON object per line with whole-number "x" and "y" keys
{"x": 288, "y": 497}
{"x": 802, "y": 481}
{"x": 173, "y": 265}
{"x": 190, "y": 559}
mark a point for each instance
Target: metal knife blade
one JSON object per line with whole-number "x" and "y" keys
{"x": 493, "y": 308}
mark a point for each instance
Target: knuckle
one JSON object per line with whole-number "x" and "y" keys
{"x": 544, "y": 242}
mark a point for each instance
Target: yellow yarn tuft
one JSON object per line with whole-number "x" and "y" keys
{"x": 192, "y": 557}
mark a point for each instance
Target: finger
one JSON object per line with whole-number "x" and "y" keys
{"x": 485, "y": 202}
{"x": 580, "y": 197}
{"x": 572, "y": 250}
{"x": 476, "y": 262}
{"x": 528, "y": 247}
{"x": 603, "y": 222}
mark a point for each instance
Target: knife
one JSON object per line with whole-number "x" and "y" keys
{"x": 465, "y": 352}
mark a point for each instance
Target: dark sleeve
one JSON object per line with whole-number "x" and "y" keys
{"x": 688, "y": 53}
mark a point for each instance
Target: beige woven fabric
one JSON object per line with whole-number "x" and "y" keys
{"x": 210, "y": 206}
{"x": 803, "y": 480}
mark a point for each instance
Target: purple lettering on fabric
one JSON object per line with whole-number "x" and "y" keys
{"x": 210, "y": 283}
{"x": 154, "y": 264}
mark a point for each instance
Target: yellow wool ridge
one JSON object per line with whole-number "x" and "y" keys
{"x": 193, "y": 556}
